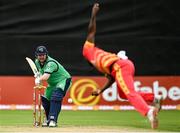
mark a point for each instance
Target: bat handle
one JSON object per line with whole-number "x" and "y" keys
{"x": 39, "y": 87}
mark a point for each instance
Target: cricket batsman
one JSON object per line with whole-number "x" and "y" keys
{"x": 118, "y": 68}
{"x": 59, "y": 81}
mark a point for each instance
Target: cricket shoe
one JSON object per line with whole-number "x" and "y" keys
{"x": 152, "y": 116}
{"x": 52, "y": 124}
{"x": 45, "y": 124}
{"x": 158, "y": 102}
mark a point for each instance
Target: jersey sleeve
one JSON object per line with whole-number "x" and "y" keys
{"x": 51, "y": 67}
{"x": 88, "y": 50}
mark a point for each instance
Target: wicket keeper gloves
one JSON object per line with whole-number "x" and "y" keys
{"x": 37, "y": 81}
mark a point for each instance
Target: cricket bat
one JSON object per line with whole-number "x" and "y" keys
{"x": 32, "y": 65}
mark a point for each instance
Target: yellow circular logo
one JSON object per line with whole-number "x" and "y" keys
{"x": 81, "y": 90}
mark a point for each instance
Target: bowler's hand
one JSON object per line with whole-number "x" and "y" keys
{"x": 95, "y": 9}
{"x": 96, "y": 92}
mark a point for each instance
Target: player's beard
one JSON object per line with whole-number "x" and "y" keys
{"x": 42, "y": 59}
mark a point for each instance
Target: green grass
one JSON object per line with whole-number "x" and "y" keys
{"x": 169, "y": 120}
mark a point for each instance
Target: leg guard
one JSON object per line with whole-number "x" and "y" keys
{"x": 46, "y": 105}
{"x": 55, "y": 104}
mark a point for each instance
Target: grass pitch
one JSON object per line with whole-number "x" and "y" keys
{"x": 92, "y": 121}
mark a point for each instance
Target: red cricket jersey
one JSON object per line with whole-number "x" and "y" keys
{"x": 98, "y": 57}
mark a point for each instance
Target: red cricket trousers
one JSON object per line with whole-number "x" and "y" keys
{"x": 123, "y": 72}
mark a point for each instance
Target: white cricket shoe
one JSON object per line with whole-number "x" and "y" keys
{"x": 152, "y": 116}
{"x": 157, "y": 102}
{"x": 52, "y": 124}
{"x": 45, "y": 124}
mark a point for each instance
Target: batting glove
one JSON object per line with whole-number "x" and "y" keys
{"x": 37, "y": 81}
{"x": 37, "y": 75}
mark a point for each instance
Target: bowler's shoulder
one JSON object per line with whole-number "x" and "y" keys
{"x": 88, "y": 44}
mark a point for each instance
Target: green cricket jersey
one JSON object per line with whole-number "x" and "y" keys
{"x": 58, "y": 75}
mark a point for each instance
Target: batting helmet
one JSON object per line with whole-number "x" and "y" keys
{"x": 41, "y": 50}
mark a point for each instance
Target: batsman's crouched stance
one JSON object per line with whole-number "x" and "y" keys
{"x": 59, "y": 81}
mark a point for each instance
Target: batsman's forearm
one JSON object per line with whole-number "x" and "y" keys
{"x": 45, "y": 76}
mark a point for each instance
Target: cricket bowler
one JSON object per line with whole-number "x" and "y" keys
{"x": 118, "y": 68}
{"x": 59, "y": 81}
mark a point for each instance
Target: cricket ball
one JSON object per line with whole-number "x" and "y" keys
{"x": 70, "y": 100}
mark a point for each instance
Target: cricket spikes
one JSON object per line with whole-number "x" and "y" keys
{"x": 45, "y": 123}
{"x": 158, "y": 101}
{"x": 152, "y": 116}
